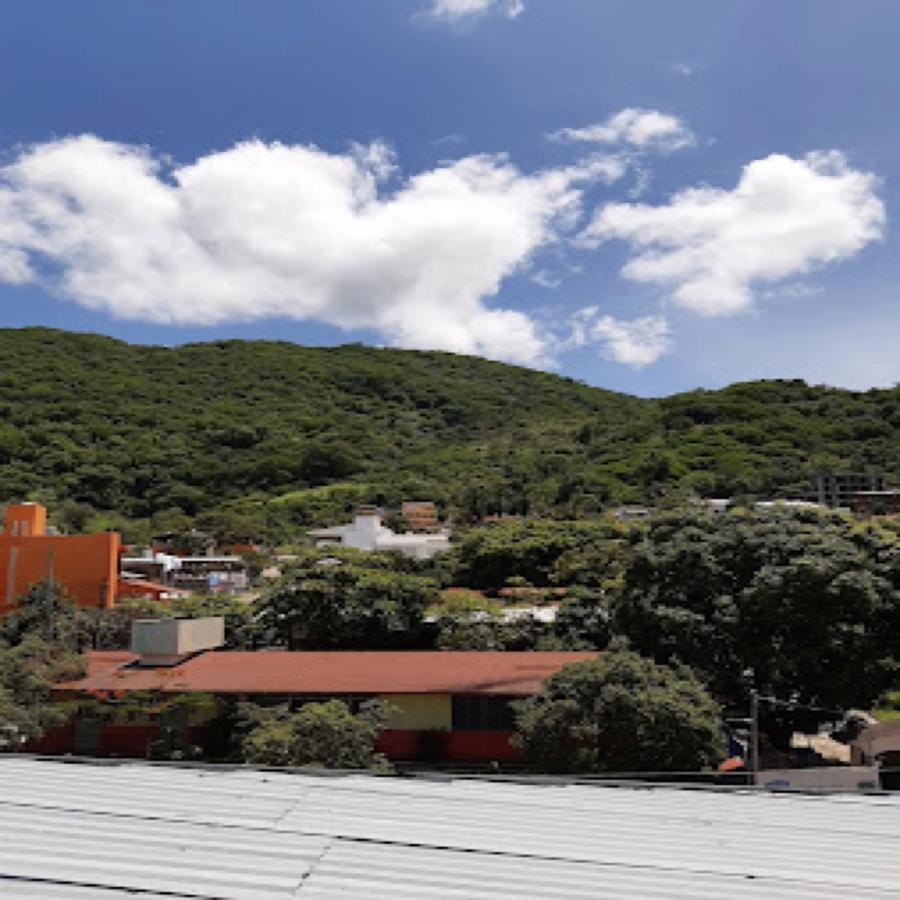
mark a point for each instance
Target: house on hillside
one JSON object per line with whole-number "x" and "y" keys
{"x": 366, "y": 532}
{"x": 421, "y": 515}
{"x": 185, "y": 574}
{"x": 443, "y": 704}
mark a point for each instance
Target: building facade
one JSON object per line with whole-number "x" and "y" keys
{"x": 86, "y": 565}
{"x": 835, "y": 489}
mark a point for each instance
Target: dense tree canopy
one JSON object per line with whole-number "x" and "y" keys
{"x": 39, "y": 646}
{"x": 354, "y": 601}
{"x": 621, "y": 713}
{"x": 538, "y": 552}
{"x": 27, "y": 672}
{"x": 801, "y": 605}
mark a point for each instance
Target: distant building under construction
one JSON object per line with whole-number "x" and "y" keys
{"x": 836, "y": 489}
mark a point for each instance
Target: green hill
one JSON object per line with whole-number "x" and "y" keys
{"x": 266, "y": 437}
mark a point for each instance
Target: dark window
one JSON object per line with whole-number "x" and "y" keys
{"x": 483, "y": 714}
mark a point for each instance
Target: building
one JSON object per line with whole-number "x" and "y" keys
{"x": 200, "y": 574}
{"x": 366, "y": 532}
{"x": 443, "y": 704}
{"x": 86, "y": 565}
{"x": 84, "y": 830}
{"x": 421, "y": 515}
{"x": 875, "y": 503}
{"x": 836, "y": 489}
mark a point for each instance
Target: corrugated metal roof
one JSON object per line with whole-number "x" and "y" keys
{"x": 338, "y": 672}
{"x": 109, "y": 830}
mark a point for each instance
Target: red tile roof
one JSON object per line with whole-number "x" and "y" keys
{"x": 336, "y": 672}
{"x": 97, "y": 661}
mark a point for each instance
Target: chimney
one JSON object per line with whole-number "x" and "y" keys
{"x": 167, "y": 642}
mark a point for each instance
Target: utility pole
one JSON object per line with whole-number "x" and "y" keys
{"x": 754, "y": 735}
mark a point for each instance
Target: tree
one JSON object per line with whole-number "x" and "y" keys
{"x": 798, "y": 604}
{"x": 44, "y": 611}
{"x": 242, "y": 630}
{"x": 39, "y": 645}
{"x": 318, "y": 734}
{"x": 540, "y": 552}
{"x": 328, "y": 602}
{"x": 620, "y": 713}
{"x": 583, "y": 620}
{"x": 28, "y": 672}
{"x": 175, "y": 716}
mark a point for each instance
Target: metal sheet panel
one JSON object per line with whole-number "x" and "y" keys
{"x": 206, "y": 832}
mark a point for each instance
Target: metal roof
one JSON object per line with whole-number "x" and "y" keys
{"x": 134, "y": 829}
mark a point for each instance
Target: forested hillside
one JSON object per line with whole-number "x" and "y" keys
{"x": 256, "y": 438}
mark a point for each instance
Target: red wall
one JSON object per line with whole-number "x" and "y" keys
{"x": 131, "y": 741}
{"x": 473, "y": 746}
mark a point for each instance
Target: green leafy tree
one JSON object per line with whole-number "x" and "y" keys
{"x": 44, "y": 611}
{"x": 28, "y": 672}
{"x": 583, "y": 620}
{"x": 318, "y": 734}
{"x": 175, "y": 716}
{"x": 799, "y": 604}
{"x": 620, "y": 713}
{"x": 332, "y": 603}
{"x": 539, "y": 552}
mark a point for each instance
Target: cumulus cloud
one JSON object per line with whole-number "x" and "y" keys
{"x": 457, "y": 10}
{"x": 644, "y": 129}
{"x": 266, "y": 230}
{"x": 710, "y": 246}
{"x": 635, "y": 342}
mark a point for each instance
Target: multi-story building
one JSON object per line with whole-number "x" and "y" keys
{"x": 86, "y": 565}
{"x": 835, "y": 489}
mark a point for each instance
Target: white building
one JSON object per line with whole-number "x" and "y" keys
{"x": 366, "y": 532}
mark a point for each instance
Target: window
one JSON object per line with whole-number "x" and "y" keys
{"x": 483, "y": 714}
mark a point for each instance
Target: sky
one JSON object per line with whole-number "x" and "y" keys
{"x": 643, "y": 195}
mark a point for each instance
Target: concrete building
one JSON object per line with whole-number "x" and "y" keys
{"x": 366, "y": 532}
{"x": 875, "y": 503}
{"x": 101, "y": 831}
{"x": 86, "y": 565}
{"x": 835, "y": 489}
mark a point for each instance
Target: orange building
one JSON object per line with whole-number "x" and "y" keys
{"x": 86, "y": 565}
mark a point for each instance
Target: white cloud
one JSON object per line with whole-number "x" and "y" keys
{"x": 544, "y": 279}
{"x": 457, "y": 10}
{"x": 644, "y": 129}
{"x": 785, "y": 218}
{"x": 635, "y": 343}
{"x": 265, "y": 230}
{"x": 685, "y": 70}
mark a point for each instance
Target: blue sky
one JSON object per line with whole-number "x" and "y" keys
{"x": 647, "y": 196}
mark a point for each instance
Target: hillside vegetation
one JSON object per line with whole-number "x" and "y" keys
{"x": 260, "y": 439}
